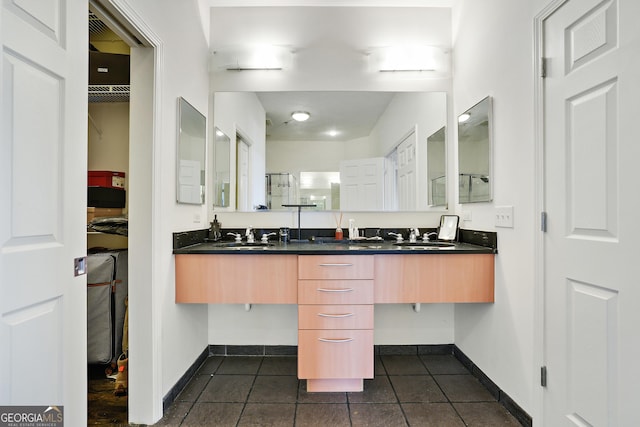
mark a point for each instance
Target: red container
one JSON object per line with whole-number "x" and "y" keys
{"x": 108, "y": 179}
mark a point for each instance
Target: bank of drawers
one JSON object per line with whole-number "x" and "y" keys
{"x": 335, "y": 318}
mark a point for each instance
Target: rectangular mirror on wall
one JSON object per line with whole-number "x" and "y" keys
{"x": 221, "y": 169}
{"x": 340, "y": 127}
{"x": 474, "y": 153}
{"x": 436, "y": 168}
{"x": 191, "y": 155}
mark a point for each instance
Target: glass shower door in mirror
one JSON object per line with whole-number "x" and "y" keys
{"x": 474, "y": 153}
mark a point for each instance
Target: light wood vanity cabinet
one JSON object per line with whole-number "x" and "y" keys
{"x": 236, "y": 279}
{"x": 335, "y": 321}
{"x": 335, "y": 296}
{"x": 434, "y": 278}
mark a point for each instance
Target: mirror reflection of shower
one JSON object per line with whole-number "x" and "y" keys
{"x": 474, "y": 153}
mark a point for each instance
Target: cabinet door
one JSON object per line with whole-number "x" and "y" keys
{"x": 434, "y": 278}
{"x": 335, "y": 317}
{"x": 335, "y": 354}
{"x": 236, "y": 279}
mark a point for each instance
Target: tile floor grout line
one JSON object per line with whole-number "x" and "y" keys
{"x": 449, "y": 401}
{"x": 395, "y": 393}
{"x": 201, "y": 391}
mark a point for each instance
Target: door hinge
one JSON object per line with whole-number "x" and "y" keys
{"x": 543, "y": 67}
{"x": 543, "y": 222}
{"x": 543, "y": 376}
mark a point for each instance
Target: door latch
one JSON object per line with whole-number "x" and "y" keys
{"x": 80, "y": 266}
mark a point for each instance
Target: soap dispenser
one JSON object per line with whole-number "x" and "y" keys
{"x": 215, "y": 231}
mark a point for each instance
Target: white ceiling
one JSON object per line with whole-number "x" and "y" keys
{"x": 352, "y": 114}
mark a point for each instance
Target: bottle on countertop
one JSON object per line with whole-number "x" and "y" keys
{"x": 215, "y": 232}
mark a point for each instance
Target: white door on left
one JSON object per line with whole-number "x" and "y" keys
{"x": 43, "y": 157}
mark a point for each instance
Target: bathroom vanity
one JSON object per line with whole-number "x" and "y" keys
{"x": 335, "y": 286}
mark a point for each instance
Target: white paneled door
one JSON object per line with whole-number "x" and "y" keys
{"x": 362, "y": 184}
{"x": 592, "y": 198}
{"x": 407, "y": 174}
{"x": 43, "y": 157}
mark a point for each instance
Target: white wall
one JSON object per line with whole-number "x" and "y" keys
{"x": 493, "y": 45}
{"x": 178, "y": 333}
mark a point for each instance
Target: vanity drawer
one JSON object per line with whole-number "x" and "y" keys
{"x": 335, "y": 267}
{"x": 335, "y": 317}
{"x": 335, "y": 291}
{"x": 335, "y": 354}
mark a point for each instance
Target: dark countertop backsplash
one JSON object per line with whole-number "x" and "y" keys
{"x": 187, "y": 238}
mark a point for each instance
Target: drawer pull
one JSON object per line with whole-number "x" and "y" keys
{"x": 335, "y": 290}
{"x": 335, "y": 315}
{"x": 336, "y": 264}
{"x": 335, "y": 340}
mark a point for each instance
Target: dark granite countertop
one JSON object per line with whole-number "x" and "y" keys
{"x": 337, "y": 247}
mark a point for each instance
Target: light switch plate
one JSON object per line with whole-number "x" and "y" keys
{"x": 504, "y": 216}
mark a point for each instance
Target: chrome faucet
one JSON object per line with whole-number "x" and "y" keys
{"x": 398, "y": 236}
{"x": 238, "y": 236}
{"x": 265, "y": 237}
{"x": 427, "y": 236}
{"x": 414, "y": 233}
{"x": 250, "y": 236}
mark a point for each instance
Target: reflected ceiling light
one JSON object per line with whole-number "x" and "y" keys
{"x": 300, "y": 116}
{"x": 464, "y": 117}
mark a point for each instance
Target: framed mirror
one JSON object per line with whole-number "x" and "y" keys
{"x": 221, "y": 169}
{"x": 475, "y": 153}
{"x": 448, "y": 227}
{"x": 192, "y": 146}
{"x": 301, "y": 161}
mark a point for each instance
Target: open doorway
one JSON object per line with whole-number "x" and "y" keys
{"x": 143, "y": 394}
{"x": 107, "y": 222}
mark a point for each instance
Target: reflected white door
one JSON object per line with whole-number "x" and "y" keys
{"x": 243, "y": 193}
{"x": 592, "y": 273}
{"x": 362, "y": 184}
{"x": 407, "y": 174}
{"x": 43, "y": 175}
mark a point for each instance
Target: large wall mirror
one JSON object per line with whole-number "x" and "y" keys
{"x": 192, "y": 145}
{"x": 221, "y": 169}
{"x": 474, "y": 153}
{"x": 304, "y": 162}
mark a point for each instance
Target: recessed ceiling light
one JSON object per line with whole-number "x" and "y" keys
{"x": 300, "y": 116}
{"x": 464, "y": 117}
{"x": 333, "y": 132}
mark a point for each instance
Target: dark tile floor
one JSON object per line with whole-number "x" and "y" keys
{"x": 264, "y": 391}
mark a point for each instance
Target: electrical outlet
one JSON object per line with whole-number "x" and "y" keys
{"x": 504, "y": 216}
{"x": 466, "y": 215}
{"x": 196, "y": 218}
